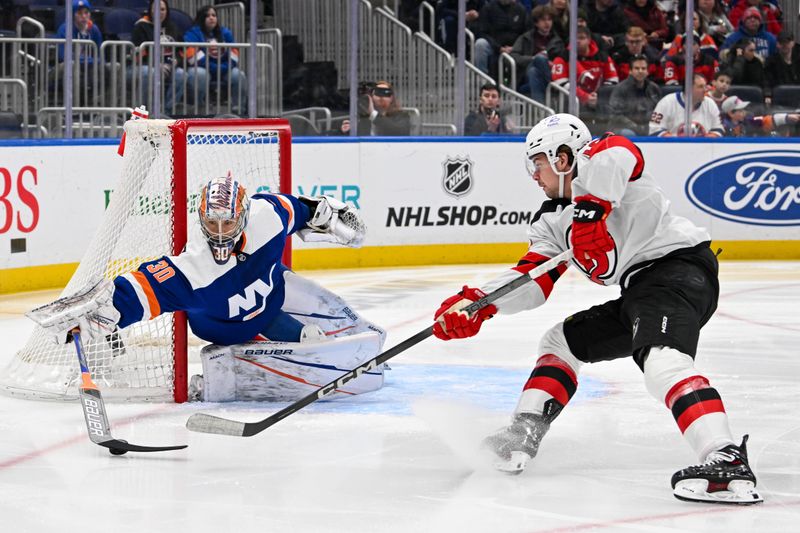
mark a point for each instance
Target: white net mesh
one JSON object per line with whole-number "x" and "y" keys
{"x": 139, "y": 362}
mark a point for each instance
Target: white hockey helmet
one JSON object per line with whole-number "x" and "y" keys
{"x": 224, "y": 207}
{"x": 561, "y": 129}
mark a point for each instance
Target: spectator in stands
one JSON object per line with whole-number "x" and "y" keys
{"x": 636, "y": 45}
{"x": 82, "y": 28}
{"x": 646, "y": 15}
{"x": 675, "y": 67}
{"x": 783, "y": 67}
{"x": 707, "y": 42}
{"x": 379, "y": 112}
{"x": 713, "y": 14}
{"x": 85, "y": 29}
{"x": 447, "y": 21}
{"x": 751, "y": 27}
{"x": 560, "y": 18}
{"x": 770, "y": 13}
{"x": 738, "y": 123}
{"x": 172, "y": 75}
{"x": 595, "y": 68}
{"x": 499, "y": 25}
{"x": 633, "y": 100}
{"x": 745, "y": 66}
{"x": 489, "y": 118}
{"x": 217, "y": 65}
{"x": 668, "y": 118}
{"x": 720, "y": 86}
{"x": 607, "y": 18}
{"x": 534, "y": 50}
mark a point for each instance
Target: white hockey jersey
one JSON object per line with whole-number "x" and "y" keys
{"x": 669, "y": 117}
{"x": 641, "y": 225}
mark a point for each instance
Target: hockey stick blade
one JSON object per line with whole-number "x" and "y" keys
{"x": 122, "y": 446}
{"x": 204, "y": 423}
{"x": 94, "y": 411}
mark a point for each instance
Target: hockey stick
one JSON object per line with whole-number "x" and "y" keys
{"x": 94, "y": 411}
{"x": 204, "y": 423}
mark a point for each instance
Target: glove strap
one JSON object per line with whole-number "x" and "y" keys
{"x": 590, "y": 209}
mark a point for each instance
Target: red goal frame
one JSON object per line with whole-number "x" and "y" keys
{"x": 179, "y": 131}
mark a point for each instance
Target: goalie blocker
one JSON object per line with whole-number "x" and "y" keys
{"x": 285, "y": 371}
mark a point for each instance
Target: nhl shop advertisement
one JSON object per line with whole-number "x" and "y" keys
{"x": 415, "y": 192}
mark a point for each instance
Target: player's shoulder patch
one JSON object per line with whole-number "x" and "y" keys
{"x": 551, "y": 206}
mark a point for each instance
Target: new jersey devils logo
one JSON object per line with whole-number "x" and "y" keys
{"x": 600, "y": 267}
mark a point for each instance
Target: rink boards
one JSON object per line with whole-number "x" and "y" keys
{"x": 424, "y": 200}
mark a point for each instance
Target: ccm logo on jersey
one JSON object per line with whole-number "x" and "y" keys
{"x": 259, "y": 289}
{"x": 760, "y": 188}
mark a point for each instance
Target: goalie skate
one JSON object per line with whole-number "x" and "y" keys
{"x": 725, "y": 477}
{"x": 517, "y": 444}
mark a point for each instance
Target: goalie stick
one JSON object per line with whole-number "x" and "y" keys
{"x": 205, "y": 423}
{"x": 94, "y": 411}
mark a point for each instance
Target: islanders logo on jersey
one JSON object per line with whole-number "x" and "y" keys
{"x": 457, "y": 175}
{"x": 759, "y": 188}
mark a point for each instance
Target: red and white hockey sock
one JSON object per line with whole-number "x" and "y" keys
{"x": 697, "y": 407}
{"x": 551, "y": 379}
{"x": 698, "y": 410}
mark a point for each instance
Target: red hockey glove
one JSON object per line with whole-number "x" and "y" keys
{"x": 453, "y": 323}
{"x": 590, "y": 238}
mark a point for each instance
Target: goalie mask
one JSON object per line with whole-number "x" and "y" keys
{"x": 224, "y": 206}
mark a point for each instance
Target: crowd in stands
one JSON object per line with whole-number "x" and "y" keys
{"x": 736, "y": 44}
{"x": 631, "y": 60}
{"x": 191, "y": 70}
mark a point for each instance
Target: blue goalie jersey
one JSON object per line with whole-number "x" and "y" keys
{"x": 226, "y": 304}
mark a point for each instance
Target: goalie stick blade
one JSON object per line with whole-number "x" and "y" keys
{"x": 123, "y": 446}
{"x": 204, "y": 423}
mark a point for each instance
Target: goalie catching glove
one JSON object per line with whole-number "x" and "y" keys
{"x": 91, "y": 310}
{"x": 452, "y": 322}
{"x": 332, "y": 221}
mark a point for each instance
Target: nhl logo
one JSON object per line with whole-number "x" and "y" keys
{"x": 457, "y": 176}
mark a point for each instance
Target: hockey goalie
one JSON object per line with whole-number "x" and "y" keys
{"x": 274, "y": 335}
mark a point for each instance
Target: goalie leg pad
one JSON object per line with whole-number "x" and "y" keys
{"x": 287, "y": 371}
{"x": 312, "y": 304}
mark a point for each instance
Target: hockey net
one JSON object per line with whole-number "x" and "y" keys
{"x": 165, "y": 164}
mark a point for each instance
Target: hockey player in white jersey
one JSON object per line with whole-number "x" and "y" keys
{"x": 276, "y": 335}
{"x": 604, "y": 206}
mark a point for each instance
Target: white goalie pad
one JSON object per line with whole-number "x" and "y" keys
{"x": 287, "y": 371}
{"x": 311, "y": 303}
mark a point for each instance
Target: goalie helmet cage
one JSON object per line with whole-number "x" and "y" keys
{"x": 165, "y": 164}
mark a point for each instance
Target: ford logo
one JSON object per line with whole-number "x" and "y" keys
{"x": 761, "y": 188}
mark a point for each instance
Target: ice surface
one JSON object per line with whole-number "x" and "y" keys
{"x": 405, "y": 458}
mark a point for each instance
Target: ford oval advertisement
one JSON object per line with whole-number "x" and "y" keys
{"x": 761, "y": 188}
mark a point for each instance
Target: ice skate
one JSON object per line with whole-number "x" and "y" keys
{"x": 725, "y": 477}
{"x": 517, "y": 444}
{"x": 196, "y": 388}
